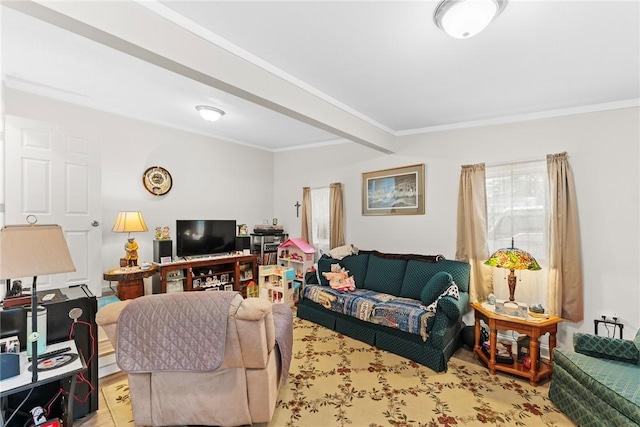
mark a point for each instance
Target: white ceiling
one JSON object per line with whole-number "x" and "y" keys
{"x": 382, "y": 61}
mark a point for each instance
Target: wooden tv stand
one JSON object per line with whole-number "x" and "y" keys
{"x": 207, "y": 273}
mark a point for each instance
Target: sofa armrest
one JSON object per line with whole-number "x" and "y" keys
{"x": 256, "y": 333}
{"x": 606, "y": 348}
{"x": 107, "y": 318}
{"x": 448, "y": 313}
{"x": 453, "y": 308}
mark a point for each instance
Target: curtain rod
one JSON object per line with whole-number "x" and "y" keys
{"x": 516, "y": 162}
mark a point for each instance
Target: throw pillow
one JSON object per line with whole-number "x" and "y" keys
{"x": 435, "y": 286}
{"x": 450, "y": 291}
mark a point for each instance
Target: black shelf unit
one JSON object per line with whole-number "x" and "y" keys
{"x": 13, "y": 321}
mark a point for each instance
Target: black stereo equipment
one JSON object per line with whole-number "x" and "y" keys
{"x": 162, "y": 249}
{"x": 243, "y": 243}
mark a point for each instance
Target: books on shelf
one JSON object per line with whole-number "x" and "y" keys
{"x": 269, "y": 258}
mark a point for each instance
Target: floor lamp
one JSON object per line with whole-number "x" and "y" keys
{"x": 33, "y": 250}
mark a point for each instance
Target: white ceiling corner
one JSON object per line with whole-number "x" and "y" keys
{"x": 382, "y": 69}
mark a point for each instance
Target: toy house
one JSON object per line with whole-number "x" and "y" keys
{"x": 296, "y": 253}
{"x": 276, "y": 284}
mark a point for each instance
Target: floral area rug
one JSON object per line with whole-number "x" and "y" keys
{"x": 338, "y": 381}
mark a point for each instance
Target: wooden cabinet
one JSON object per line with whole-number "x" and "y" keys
{"x": 233, "y": 272}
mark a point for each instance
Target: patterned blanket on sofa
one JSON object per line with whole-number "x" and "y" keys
{"x": 405, "y": 314}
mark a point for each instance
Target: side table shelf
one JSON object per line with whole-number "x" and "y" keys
{"x": 533, "y": 328}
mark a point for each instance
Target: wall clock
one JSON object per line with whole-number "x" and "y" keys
{"x": 157, "y": 180}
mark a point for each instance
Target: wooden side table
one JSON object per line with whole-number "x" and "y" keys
{"x": 533, "y": 328}
{"x": 130, "y": 280}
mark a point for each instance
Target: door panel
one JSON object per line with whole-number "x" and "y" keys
{"x": 55, "y": 175}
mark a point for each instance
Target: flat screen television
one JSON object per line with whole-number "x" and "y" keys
{"x": 205, "y": 237}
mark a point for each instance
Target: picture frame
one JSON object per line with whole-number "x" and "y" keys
{"x": 395, "y": 191}
{"x": 165, "y": 260}
{"x": 228, "y": 287}
{"x": 224, "y": 278}
{"x": 196, "y": 283}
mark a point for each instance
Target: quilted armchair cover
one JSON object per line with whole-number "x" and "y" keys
{"x": 201, "y": 358}
{"x": 174, "y": 332}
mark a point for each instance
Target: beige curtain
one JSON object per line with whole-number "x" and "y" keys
{"x": 306, "y": 232}
{"x": 565, "y": 260}
{"x": 471, "y": 245}
{"x": 336, "y": 215}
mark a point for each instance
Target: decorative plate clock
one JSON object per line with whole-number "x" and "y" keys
{"x": 157, "y": 180}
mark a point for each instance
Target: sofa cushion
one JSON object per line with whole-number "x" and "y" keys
{"x": 357, "y": 267}
{"x": 435, "y": 287}
{"x": 416, "y": 276}
{"x": 370, "y": 306}
{"x": 385, "y": 275}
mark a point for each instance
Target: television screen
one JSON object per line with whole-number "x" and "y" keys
{"x": 205, "y": 237}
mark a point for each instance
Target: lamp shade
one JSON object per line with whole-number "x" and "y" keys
{"x": 128, "y": 222}
{"x": 462, "y": 19}
{"x": 513, "y": 259}
{"x": 33, "y": 250}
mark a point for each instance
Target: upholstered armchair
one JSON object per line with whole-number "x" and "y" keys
{"x": 203, "y": 358}
{"x": 598, "y": 382}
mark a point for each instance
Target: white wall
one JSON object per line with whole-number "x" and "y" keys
{"x": 212, "y": 179}
{"x": 604, "y": 155}
{"x": 218, "y": 180}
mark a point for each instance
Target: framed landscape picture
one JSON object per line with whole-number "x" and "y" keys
{"x": 397, "y": 191}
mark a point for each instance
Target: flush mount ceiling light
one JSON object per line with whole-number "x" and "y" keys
{"x": 210, "y": 114}
{"x": 462, "y": 19}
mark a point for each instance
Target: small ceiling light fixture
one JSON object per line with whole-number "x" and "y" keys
{"x": 462, "y": 19}
{"x": 210, "y": 114}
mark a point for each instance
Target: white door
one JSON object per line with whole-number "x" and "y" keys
{"x": 55, "y": 176}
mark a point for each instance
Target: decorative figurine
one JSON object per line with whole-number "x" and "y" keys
{"x": 158, "y": 233}
{"x": 165, "y": 233}
{"x": 491, "y": 299}
{"x": 131, "y": 255}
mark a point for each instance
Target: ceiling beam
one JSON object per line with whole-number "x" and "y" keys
{"x": 137, "y": 31}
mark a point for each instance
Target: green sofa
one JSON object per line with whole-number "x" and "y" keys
{"x": 598, "y": 383}
{"x": 402, "y": 303}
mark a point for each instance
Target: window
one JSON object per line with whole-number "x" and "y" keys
{"x": 320, "y": 223}
{"x": 517, "y": 207}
